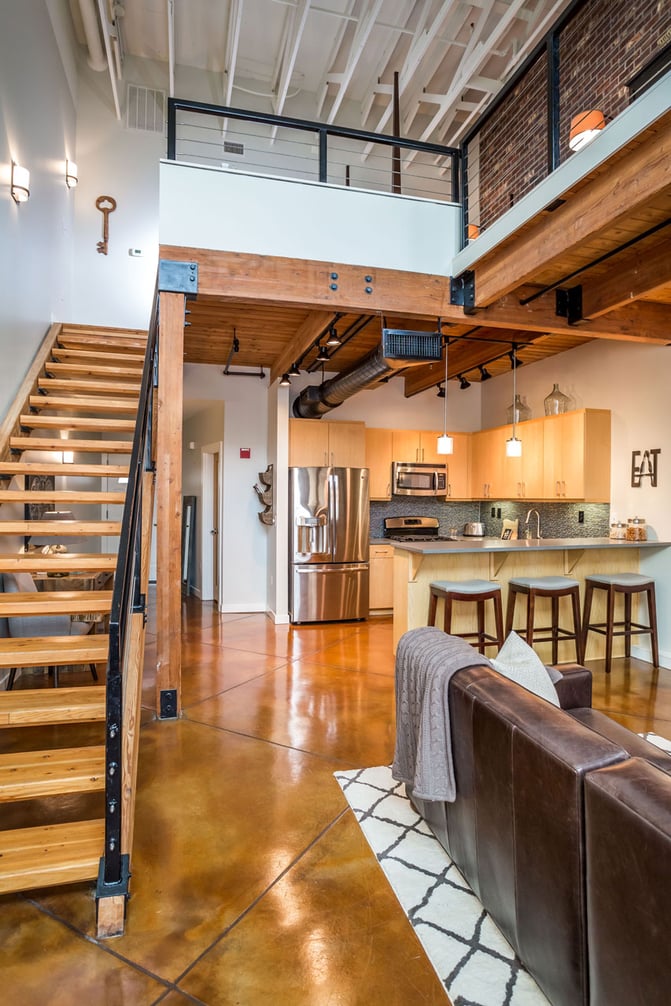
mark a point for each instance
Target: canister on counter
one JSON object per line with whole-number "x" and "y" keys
{"x": 618, "y": 530}
{"x": 637, "y": 529}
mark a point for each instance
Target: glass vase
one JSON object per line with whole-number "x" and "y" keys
{"x": 556, "y": 402}
{"x": 519, "y": 411}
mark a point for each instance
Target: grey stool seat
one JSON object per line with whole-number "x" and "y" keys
{"x": 554, "y": 587}
{"x": 477, "y": 591}
{"x": 626, "y": 584}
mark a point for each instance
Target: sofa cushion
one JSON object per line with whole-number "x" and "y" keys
{"x": 636, "y": 746}
{"x": 518, "y": 661}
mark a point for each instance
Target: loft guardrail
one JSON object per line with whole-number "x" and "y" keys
{"x": 265, "y": 144}
{"x": 127, "y": 599}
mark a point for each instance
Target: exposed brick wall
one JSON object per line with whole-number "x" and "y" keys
{"x": 604, "y": 45}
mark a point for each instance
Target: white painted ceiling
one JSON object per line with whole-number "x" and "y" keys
{"x": 338, "y": 57}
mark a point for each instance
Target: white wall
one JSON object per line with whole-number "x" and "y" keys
{"x": 37, "y": 129}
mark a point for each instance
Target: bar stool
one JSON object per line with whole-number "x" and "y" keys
{"x": 626, "y": 584}
{"x": 477, "y": 591}
{"x": 554, "y": 587}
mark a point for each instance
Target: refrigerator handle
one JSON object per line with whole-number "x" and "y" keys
{"x": 334, "y": 510}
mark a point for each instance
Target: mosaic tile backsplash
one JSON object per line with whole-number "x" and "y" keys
{"x": 557, "y": 520}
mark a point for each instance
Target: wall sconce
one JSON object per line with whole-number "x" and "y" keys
{"x": 20, "y": 183}
{"x": 472, "y": 232}
{"x": 71, "y": 175}
{"x": 584, "y": 127}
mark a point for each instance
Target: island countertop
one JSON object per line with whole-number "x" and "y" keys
{"x": 470, "y": 545}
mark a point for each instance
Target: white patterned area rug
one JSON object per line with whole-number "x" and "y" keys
{"x": 476, "y": 965}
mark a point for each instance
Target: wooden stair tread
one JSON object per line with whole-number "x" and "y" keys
{"x": 51, "y": 651}
{"x": 29, "y": 775}
{"x": 88, "y": 423}
{"x": 82, "y": 404}
{"x": 55, "y": 602}
{"x": 89, "y": 387}
{"x": 64, "y": 562}
{"x": 27, "y": 707}
{"x": 79, "y": 446}
{"x": 69, "y": 496}
{"x": 96, "y": 355}
{"x": 49, "y": 855}
{"x": 70, "y": 338}
{"x": 58, "y": 468}
{"x": 61, "y": 528}
{"x": 110, "y": 371}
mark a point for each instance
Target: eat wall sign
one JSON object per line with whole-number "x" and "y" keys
{"x": 644, "y": 466}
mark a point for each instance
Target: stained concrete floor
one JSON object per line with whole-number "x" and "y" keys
{"x": 252, "y": 883}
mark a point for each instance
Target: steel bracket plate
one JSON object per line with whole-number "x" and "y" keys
{"x": 168, "y": 704}
{"x": 178, "y": 277}
{"x": 104, "y": 890}
{"x": 568, "y": 304}
{"x": 462, "y": 291}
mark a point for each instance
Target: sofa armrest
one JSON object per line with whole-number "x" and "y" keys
{"x": 574, "y": 688}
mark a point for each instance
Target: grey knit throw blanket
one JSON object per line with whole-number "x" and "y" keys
{"x": 426, "y": 659}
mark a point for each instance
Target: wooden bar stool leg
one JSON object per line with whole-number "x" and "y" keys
{"x": 498, "y": 618}
{"x": 627, "y": 624}
{"x": 447, "y": 615}
{"x": 610, "y": 616}
{"x": 555, "y": 629}
{"x": 433, "y": 604}
{"x": 531, "y": 606}
{"x": 510, "y": 609}
{"x": 481, "y": 626}
{"x": 586, "y": 614}
{"x": 577, "y": 628}
{"x": 652, "y": 622}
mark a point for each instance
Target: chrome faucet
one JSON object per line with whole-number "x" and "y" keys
{"x": 538, "y": 523}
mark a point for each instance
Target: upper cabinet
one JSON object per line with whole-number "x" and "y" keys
{"x": 320, "y": 442}
{"x": 523, "y": 476}
{"x": 487, "y": 451}
{"x": 378, "y": 462}
{"x": 576, "y": 456}
{"x": 416, "y": 445}
{"x": 459, "y": 467}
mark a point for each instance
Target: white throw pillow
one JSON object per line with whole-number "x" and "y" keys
{"x": 517, "y": 661}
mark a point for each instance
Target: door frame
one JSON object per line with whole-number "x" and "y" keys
{"x": 208, "y": 452}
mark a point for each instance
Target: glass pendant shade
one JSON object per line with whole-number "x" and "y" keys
{"x": 445, "y": 444}
{"x": 513, "y": 448}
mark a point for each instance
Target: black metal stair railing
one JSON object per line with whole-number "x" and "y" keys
{"x": 127, "y": 599}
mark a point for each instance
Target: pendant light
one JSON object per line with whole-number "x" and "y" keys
{"x": 513, "y": 445}
{"x": 445, "y": 444}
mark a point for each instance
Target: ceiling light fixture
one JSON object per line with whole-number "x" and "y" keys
{"x": 71, "y": 174}
{"x": 333, "y": 339}
{"x": 585, "y": 127}
{"x": 284, "y": 381}
{"x": 513, "y": 444}
{"x": 20, "y": 183}
{"x": 445, "y": 444}
{"x": 322, "y": 356}
{"x": 441, "y": 391}
{"x": 463, "y": 383}
{"x": 484, "y": 373}
{"x": 294, "y": 370}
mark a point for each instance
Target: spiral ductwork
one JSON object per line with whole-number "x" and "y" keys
{"x": 399, "y": 349}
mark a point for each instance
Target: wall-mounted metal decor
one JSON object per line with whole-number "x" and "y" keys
{"x": 267, "y": 515}
{"x": 644, "y": 466}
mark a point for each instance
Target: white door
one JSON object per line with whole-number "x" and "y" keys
{"x": 211, "y": 545}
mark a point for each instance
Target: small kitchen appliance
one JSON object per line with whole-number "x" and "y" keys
{"x": 414, "y": 478}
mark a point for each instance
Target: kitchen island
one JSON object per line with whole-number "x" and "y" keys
{"x": 417, "y": 564}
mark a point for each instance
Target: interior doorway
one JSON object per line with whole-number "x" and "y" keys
{"x": 211, "y": 539}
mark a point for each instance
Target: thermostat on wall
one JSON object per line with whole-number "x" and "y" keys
{"x": 135, "y": 252}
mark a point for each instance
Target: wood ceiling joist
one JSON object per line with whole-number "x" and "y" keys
{"x": 639, "y": 272}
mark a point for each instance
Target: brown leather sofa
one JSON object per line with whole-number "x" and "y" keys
{"x": 555, "y": 826}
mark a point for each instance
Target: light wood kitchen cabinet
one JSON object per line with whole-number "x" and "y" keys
{"x": 378, "y": 462}
{"x": 523, "y": 476}
{"x": 416, "y": 445}
{"x": 459, "y": 467}
{"x": 381, "y": 577}
{"x": 487, "y": 455}
{"x": 576, "y": 452}
{"x": 320, "y": 442}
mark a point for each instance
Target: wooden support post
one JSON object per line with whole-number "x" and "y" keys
{"x": 169, "y": 502}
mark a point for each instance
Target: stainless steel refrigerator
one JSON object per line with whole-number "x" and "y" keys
{"x": 328, "y": 544}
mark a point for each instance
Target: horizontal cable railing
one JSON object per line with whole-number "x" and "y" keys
{"x": 264, "y": 144}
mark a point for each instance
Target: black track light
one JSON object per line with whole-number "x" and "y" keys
{"x": 463, "y": 383}
{"x": 484, "y": 373}
{"x": 322, "y": 356}
{"x": 293, "y": 370}
{"x": 441, "y": 391}
{"x": 285, "y": 382}
{"x": 333, "y": 339}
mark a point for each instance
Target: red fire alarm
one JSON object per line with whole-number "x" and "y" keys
{"x": 245, "y": 452}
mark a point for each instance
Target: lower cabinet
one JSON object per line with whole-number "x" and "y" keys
{"x": 381, "y": 577}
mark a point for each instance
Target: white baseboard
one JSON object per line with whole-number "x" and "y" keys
{"x": 643, "y": 653}
{"x": 247, "y": 609}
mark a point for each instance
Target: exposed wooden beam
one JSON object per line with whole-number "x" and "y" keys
{"x": 169, "y": 497}
{"x": 303, "y": 339}
{"x": 636, "y": 273}
{"x": 643, "y": 172}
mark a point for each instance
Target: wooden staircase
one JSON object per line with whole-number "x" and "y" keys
{"x": 80, "y": 395}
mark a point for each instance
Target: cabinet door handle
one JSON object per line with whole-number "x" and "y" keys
{"x": 326, "y": 457}
{"x": 557, "y": 492}
{"x": 388, "y": 493}
{"x": 563, "y": 488}
{"x": 449, "y": 488}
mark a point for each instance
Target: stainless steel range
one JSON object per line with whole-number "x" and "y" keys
{"x": 415, "y": 529}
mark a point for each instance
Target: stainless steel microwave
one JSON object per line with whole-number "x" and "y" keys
{"x": 411, "y": 478}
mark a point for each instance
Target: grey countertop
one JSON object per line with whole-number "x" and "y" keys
{"x": 465, "y": 545}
